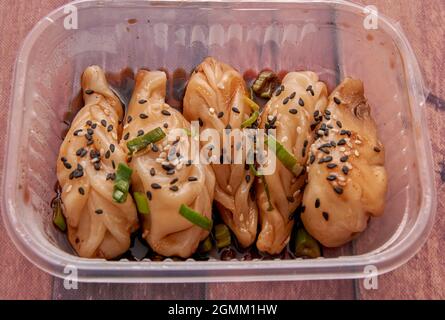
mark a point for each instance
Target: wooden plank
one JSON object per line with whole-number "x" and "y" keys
{"x": 19, "y": 279}
{"x": 423, "y": 23}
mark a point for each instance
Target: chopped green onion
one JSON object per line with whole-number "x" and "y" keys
{"x": 265, "y": 84}
{"x": 58, "y": 218}
{"x": 266, "y": 187}
{"x": 142, "y": 142}
{"x": 286, "y": 158}
{"x": 205, "y": 246}
{"x": 305, "y": 245}
{"x": 122, "y": 183}
{"x": 251, "y": 120}
{"x": 188, "y": 132}
{"x": 222, "y": 235}
{"x": 251, "y": 104}
{"x": 195, "y": 217}
{"x": 141, "y": 202}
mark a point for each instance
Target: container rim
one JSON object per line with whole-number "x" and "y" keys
{"x": 54, "y": 261}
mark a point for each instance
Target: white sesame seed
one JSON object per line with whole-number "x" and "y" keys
{"x": 107, "y": 112}
{"x": 126, "y": 126}
{"x": 296, "y": 193}
{"x": 357, "y": 154}
{"x": 342, "y": 149}
{"x": 270, "y": 117}
{"x": 358, "y": 142}
{"x": 212, "y": 110}
{"x": 68, "y": 189}
{"x": 341, "y": 178}
{"x": 95, "y": 160}
{"x": 284, "y": 139}
{"x": 114, "y": 136}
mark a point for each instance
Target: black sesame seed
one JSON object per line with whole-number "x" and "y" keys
{"x": 89, "y": 123}
{"x": 97, "y": 165}
{"x": 235, "y": 109}
{"x": 165, "y": 125}
{"x": 339, "y": 124}
{"x": 337, "y": 100}
{"x": 77, "y": 173}
{"x": 327, "y": 117}
{"x": 333, "y": 144}
{"x": 94, "y": 126}
{"x": 168, "y": 167}
{"x": 129, "y": 119}
{"x": 325, "y": 159}
{"x": 312, "y": 159}
{"x": 174, "y": 181}
{"x": 338, "y": 190}
{"x": 170, "y": 172}
{"x": 220, "y": 114}
{"x": 332, "y": 165}
{"x": 345, "y": 169}
{"x": 326, "y": 216}
{"x": 126, "y": 136}
{"x": 79, "y": 152}
{"x": 200, "y": 122}
{"x": 317, "y": 203}
{"x": 331, "y": 177}
{"x": 67, "y": 165}
{"x": 154, "y": 148}
{"x": 99, "y": 211}
{"x": 110, "y": 128}
{"x": 293, "y": 111}
{"x": 88, "y": 136}
{"x": 316, "y": 113}
{"x": 113, "y": 164}
{"x": 166, "y": 113}
{"x": 301, "y": 102}
{"x": 192, "y": 179}
{"x": 341, "y": 142}
{"x": 152, "y": 172}
{"x": 81, "y": 191}
{"x": 327, "y": 112}
{"x": 174, "y": 188}
{"x": 142, "y": 101}
{"x": 76, "y": 133}
{"x": 111, "y": 176}
{"x": 247, "y": 178}
{"x": 103, "y": 122}
{"x": 344, "y": 158}
{"x": 107, "y": 154}
{"x": 112, "y": 147}
{"x": 324, "y": 150}
{"x": 286, "y": 100}
{"x": 140, "y": 132}
{"x": 311, "y": 90}
{"x": 156, "y": 186}
{"x": 292, "y": 95}
{"x": 143, "y": 116}
{"x": 313, "y": 126}
{"x": 149, "y": 195}
{"x": 290, "y": 199}
{"x": 189, "y": 163}
{"x": 377, "y": 149}
{"x": 89, "y": 91}
{"x": 63, "y": 159}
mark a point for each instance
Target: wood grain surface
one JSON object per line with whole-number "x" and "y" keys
{"x": 423, "y": 277}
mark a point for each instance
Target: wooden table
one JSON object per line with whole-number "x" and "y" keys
{"x": 423, "y": 277}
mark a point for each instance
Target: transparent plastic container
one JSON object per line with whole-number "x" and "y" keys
{"x": 327, "y": 37}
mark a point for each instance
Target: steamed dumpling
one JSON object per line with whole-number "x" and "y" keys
{"x": 168, "y": 183}
{"x": 97, "y": 226}
{"x": 215, "y": 97}
{"x": 347, "y": 180}
{"x": 291, "y": 113}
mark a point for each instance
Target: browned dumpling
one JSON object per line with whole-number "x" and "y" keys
{"x": 97, "y": 225}
{"x": 290, "y": 112}
{"x": 163, "y": 172}
{"x": 347, "y": 180}
{"x": 215, "y": 97}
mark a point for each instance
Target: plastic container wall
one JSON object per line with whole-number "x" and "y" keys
{"x": 327, "y": 37}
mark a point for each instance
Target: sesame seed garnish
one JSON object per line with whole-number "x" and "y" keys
{"x": 97, "y": 166}
{"x": 129, "y": 119}
{"x": 152, "y": 172}
{"x": 140, "y": 133}
{"x": 311, "y": 90}
{"x": 338, "y": 190}
{"x": 76, "y": 133}
{"x": 110, "y": 128}
{"x": 325, "y": 159}
{"x": 337, "y": 100}
{"x": 235, "y": 109}
{"x": 220, "y": 114}
{"x": 200, "y": 122}
{"x": 192, "y": 179}
{"x": 81, "y": 191}
{"x": 317, "y": 203}
{"x": 154, "y": 148}
{"x": 107, "y": 154}
{"x": 331, "y": 177}
{"x": 345, "y": 169}
{"x": 174, "y": 181}
{"x": 63, "y": 159}
{"x": 174, "y": 188}
{"x": 142, "y": 101}
{"x": 67, "y": 165}
{"x": 301, "y": 102}
{"x": 170, "y": 172}
{"x": 377, "y": 149}
{"x": 344, "y": 158}
{"x": 89, "y": 91}
{"x": 286, "y": 100}
{"x": 112, "y": 147}
{"x": 332, "y": 165}
{"x": 90, "y": 142}
{"x": 79, "y": 151}
{"x": 149, "y": 195}
{"x": 143, "y": 116}
{"x": 312, "y": 159}
{"x": 94, "y": 125}
{"x": 166, "y": 113}
{"x": 99, "y": 211}
{"x": 156, "y": 186}
{"x": 345, "y": 132}
{"x": 326, "y": 215}
{"x": 293, "y": 111}
{"x": 341, "y": 142}
{"x": 316, "y": 113}
{"x": 228, "y": 127}
{"x": 111, "y": 176}
{"x": 339, "y": 124}
{"x": 126, "y": 136}
{"x": 113, "y": 164}
{"x": 89, "y": 123}
{"x": 103, "y": 122}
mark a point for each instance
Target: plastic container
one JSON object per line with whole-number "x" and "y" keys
{"x": 327, "y": 37}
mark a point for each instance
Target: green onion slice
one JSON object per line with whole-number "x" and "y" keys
{"x": 222, "y": 235}
{"x": 305, "y": 245}
{"x": 251, "y": 104}
{"x": 141, "y": 202}
{"x": 195, "y": 217}
{"x": 122, "y": 183}
{"x": 206, "y": 245}
{"x": 265, "y": 84}
{"x": 143, "y": 141}
{"x": 58, "y": 218}
{"x": 251, "y": 120}
{"x": 266, "y": 187}
{"x": 286, "y": 158}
